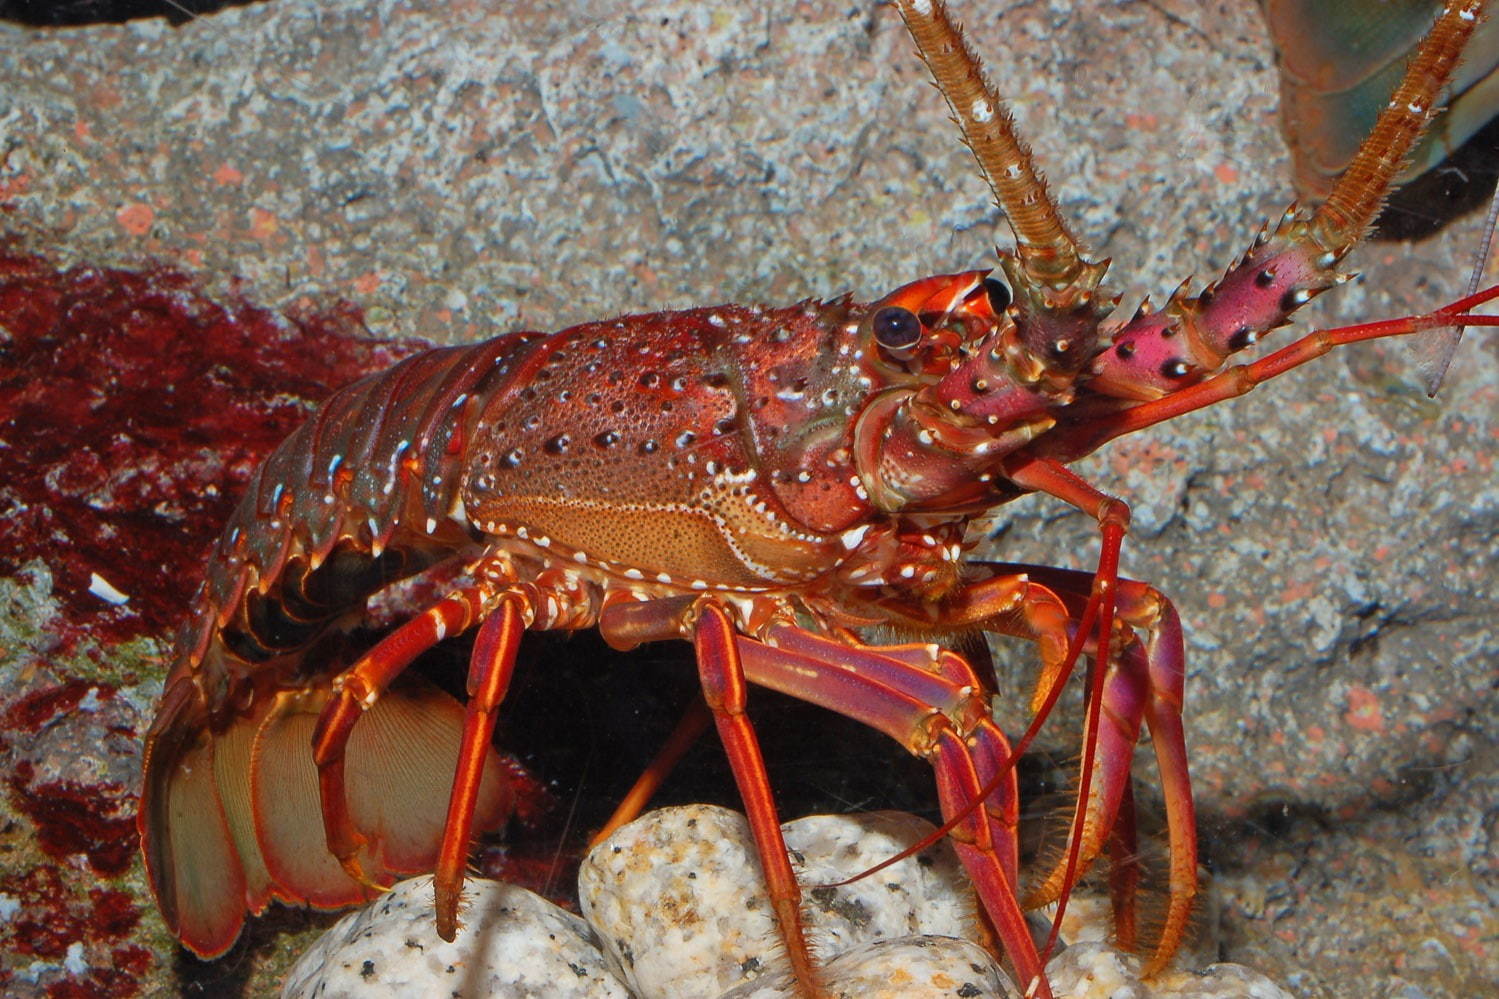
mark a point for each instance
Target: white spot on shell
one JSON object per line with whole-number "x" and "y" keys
{"x": 853, "y": 538}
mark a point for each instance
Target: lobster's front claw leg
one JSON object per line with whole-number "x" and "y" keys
{"x": 1144, "y": 682}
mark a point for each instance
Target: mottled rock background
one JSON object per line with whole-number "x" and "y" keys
{"x": 462, "y": 168}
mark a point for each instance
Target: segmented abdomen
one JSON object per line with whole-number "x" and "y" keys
{"x": 360, "y": 494}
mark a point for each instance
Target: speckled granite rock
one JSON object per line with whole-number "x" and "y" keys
{"x": 903, "y": 968}
{"x": 679, "y": 901}
{"x": 510, "y": 944}
{"x": 1098, "y": 971}
{"x": 676, "y": 903}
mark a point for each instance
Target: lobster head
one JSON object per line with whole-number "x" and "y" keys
{"x": 968, "y": 380}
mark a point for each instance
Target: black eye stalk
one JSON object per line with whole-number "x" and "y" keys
{"x": 896, "y": 329}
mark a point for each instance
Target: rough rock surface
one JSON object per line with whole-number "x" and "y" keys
{"x": 455, "y": 170}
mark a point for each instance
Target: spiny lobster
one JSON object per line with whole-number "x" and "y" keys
{"x": 763, "y": 482}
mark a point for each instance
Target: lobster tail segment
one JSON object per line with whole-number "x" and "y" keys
{"x": 231, "y": 819}
{"x": 191, "y": 859}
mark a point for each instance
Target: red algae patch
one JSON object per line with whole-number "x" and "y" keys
{"x": 96, "y": 820}
{"x": 132, "y": 412}
{"x": 76, "y": 932}
{"x": 30, "y": 712}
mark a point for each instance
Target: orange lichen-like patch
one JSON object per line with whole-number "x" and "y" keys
{"x": 11, "y": 186}
{"x": 367, "y": 284}
{"x": 1297, "y": 591}
{"x": 136, "y": 218}
{"x": 263, "y": 224}
{"x": 226, "y": 175}
{"x": 1363, "y": 710}
{"x": 1226, "y": 173}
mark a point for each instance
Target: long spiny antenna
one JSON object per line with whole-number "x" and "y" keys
{"x": 1360, "y": 192}
{"x": 1049, "y": 254}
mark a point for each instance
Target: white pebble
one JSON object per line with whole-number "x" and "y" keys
{"x": 679, "y": 910}
{"x": 679, "y": 901}
{"x": 1098, "y": 971}
{"x": 510, "y": 944}
{"x": 905, "y": 968}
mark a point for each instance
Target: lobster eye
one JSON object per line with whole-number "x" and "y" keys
{"x": 999, "y": 294}
{"x": 896, "y": 328}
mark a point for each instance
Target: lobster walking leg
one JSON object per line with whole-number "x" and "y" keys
{"x": 1142, "y": 683}
{"x": 938, "y": 711}
{"x": 724, "y": 690}
{"x": 693, "y": 723}
{"x": 489, "y": 672}
{"x": 356, "y": 690}
{"x": 1055, "y": 609}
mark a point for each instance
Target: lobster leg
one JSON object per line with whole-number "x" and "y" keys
{"x": 1124, "y": 871}
{"x": 489, "y": 672}
{"x": 933, "y": 704}
{"x": 693, "y": 723}
{"x": 724, "y": 690}
{"x": 356, "y": 690}
{"x": 1144, "y": 683}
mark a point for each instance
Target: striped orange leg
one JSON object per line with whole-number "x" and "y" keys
{"x": 1124, "y": 871}
{"x": 356, "y": 690}
{"x": 693, "y": 723}
{"x": 489, "y": 671}
{"x": 1143, "y": 682}
{"x": 724, "y": 690}
{"x": 1056, "y": 608}
{"x": 931, "y": 702}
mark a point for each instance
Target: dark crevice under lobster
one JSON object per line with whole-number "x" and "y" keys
{"x": 767, "y": 483}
